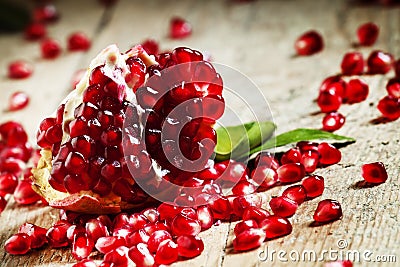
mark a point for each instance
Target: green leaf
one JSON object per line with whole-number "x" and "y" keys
{"x": 234, "y": 141}
{"x": 302, "y": 134}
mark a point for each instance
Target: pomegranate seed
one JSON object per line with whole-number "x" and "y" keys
{"x": 367, "y": 33}
{"x": 393, "y": 87}
{"x": 141, "y": 256}
{"x": 309, "y": 43}
{"x": 137, "y": 237}
{"x": 78, "y": 41}
{"x": 3, "y": 203}
{"x": 389, "y": 107}
{"x": 46, "y": 13}
{"x": 107, "y": 243}
{"x": 19, "y": 69}
{"x": 249, "y": 239}
{"x": 183, "y": 225}
{"x": 293, "y": 155}
{"x": 85, "y": 263}
{"x": 243, "y": 188}
{"x": 74, "y": 230}
{"x": 329, "y": 101}
{"x": 24, "y": 193}
{"x": 266, "y": 159}
{"x": 8, "y": 183}
{"x": 239, "y": 204}
{"x": 35, "y": 31}
{"x": 156, "y": 238}
{"x": 244, "y": 225}
{"x": 117, "y": 257}
{"x": 150, "y": 46}
{"x": 167, "y": 211}
{"x": 379, "y": 62}
{"x": 189, "y": 246}
{"x": 18, "y": 244}
{"x": 327, "y": 210}
{"x": 333, "y": 121}
{"x": 352, "y": 64}
{"x": 356, "y": 91}
{"x": 335, "y": 84}
{"x": 329, "y": 154}
{"x": 205, "y": 217}
{"x": 179, "y": 28}
{"x": 296, "y": 193}
{"x": 283, "y": 206}
{"x": 374, "y": 173}
{"x": 305, "y": 146}
{"x": 255, "y": 213}
{"x": 276, "y": 226}
{"x": 37, "y": 234}
{"x": 138, "y": 221}
{"x": 220, "y": 207}
{"x": 264, "y": 176}
{"x": 50, "y": 48}
{"x": 313, "y": 185}
{"x": 96, "y": 229}
{"x": 291, "y": 173}
{"x": 57, "y": 234}
{"x": 167, "y": 252}
{"x": 82, "y": 246}
{"x": 310, "y": 160}
{"x": 18, "y": 101}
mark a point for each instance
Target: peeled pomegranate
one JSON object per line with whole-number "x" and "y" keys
{"x": 133, "y": 118}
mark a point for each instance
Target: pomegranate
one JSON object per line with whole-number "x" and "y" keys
{"x": 179, "y": 28}
{"x": 367, "y": 33}
{"x": 19, "y": 69}
{"x": 18, "y": 101}
{"x": 379, "y": 62}
{"x": 374, "y": 173}
{"x": 327, "y": 210}
{"x": 352, "y": 64}
{"x": 333, "y": 121}
{"x": 35, "y": 31}
{"x": 309, "y": 43}
{"x": 91, "y": 163}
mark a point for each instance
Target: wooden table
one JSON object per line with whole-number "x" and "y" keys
{"x": 257, "y": 39}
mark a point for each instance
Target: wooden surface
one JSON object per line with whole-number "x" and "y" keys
{"x": 257, "y": 39}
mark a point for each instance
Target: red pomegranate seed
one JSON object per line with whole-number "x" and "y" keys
{"x": 205, "y": 217}
{"x": 309, "y": 43}
{"x": 150, "y": 46}
{"x": 297, "y": 193}
{"x": 367, "y": 33}
{"x": 8, "y": 183}
{"x": 37, "y": 234}
{"x": 189, "y": 246}
{"x": 329, "y": 154}
{"x": 310, "y": 160}
{"x": 18, "y": 244}
{"x": 327, "y": 210}
{"x": 314, "y": 186}
{"x": 117, "y": 257}
{"x": 78, "y": 41}
{"x": 356, "y": 91}
{"x": 138, "y": 221}
{"x": 266, "y": 159}
{"x": 249, "y": 239}
{"x": 374, "y": 173}
{"x": 151, "y": 215}
{"x": 183, "y": 225}
{"x": 35, "y": 31}
{"x": 107, "y": 243}
{"x": 283, "y": 206}
{"x": 156, "y": 238}
{"x": 57, "y": 234}
{"x": 50, "y": 48}
{"x": 179, "y": 28}
{"x": 293, "y": 155}
{"x": 220, "y": 207}
{"x": 141, "y": 256}
{"x": 239, "y": 204}
{"x": 352, "y": 64}
{"x": 333, "y": 121}
{"x": 96, "y": 229}
{"x": 167, "y": 252}
{"x": 264, "y": 176}
{"x": 291, "y": 173}
{"x": 389, "y": 107}
{"x": 379, "y": 62}
{"x": 3, "y": 203}
{"x": 305, "y": 146}
{"x": 245, "y": 225}
{"x": 82, "y": 246}
{"x": 18, "y": 101}
{"x": 243, "y": 188}
{"x": 276, "y": 226}
{"x": 85, "y": 263}
{"x": 140, "y": 236}
{"x": 19, "y": 69}
{"x": 24, "y": 193}
{"x": 45, "y": 13}
{"x": 393, "y": 87}
{"x": 255, "y": 213}
{"x": 335, "y": 84}
{"x": 329, "y": 101}
{"x": 74, "y": 230}
{"x": 167, "y": 211}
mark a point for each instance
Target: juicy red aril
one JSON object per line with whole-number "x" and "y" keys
{"x": 243, "y": 188}
{"x": 329, "y": 154}
{"x": 255, "y": 213}
{"x": 374, "y": 173}
{"x": 352, "y": 64}
{"x": 283, "y": 206}
{"x": 333, "y": 121}
{"x": 96, "y": 229}
{"x": 82, "y": 246}
{"x": 140, "y": 236}
{"x": 150, "y": 46}
{"x": 3, "y": 203}
{"x": 264, "y": 176}
{"x": 305, "y": 146}
{"x": 137, "y": 73}
{"x": 291, "y": 172}
{"x": 74, "y": 230}
{"x": 57, "y": 234}
{"x": 239, "y": 204}
{"x": 19, "y": 69}
{"x": 393, "y": 87}
{"x": 293, "y": 155}
{"x": 327, "y": 210}
{"x": 179, "y": 28}
{"x": 266, "y": 159}
{"x": 18, "y": 244}
{"x": 205, "y": 217}
{"x": 356, "y": 91}
{"x": 244, "y": 225}
{"x": 167, "y": 252}
{"x": 156, "y": 238}
{"x": 313, "y": 185}
{"x": 50, "y": 48}
{"x": 329, "y": 101}
{"x": 36, "y": 233}
{"x": 78, "y": 41}
{"x": 276, "y": 226}
{"x": 35, "y": 31}
{"x": 335, "y": 84}
{"x": 297, "y": 193}
{"x": 8, "y": 183}
{"x": 310, "y": 160}
{"x": 24, "y": 193}
{"x": 167, "y": 211}
{"x": 107, "y": 243}
{"x": 183, "y": 225}
{"x": 45, "y": 13}
{"x": 309, "y": 43}
{"x": 379, "y": 62}
{"x": 18, "y": 101}
{"x": 249, "y": 239}
{"x": 141, "y": 256}
{"x": 117, "y": 257}
{"x": 389, "y": 107}
{"x": 220, "y": 207}
{"x": 189, "y": 246}
{"x": 367, "y": 33}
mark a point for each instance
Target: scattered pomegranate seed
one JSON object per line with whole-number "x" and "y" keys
{"x": 140, "y": 255}
{"x": 18, "y": 244}
{"x": 57, "y": 234}
{"x": 379, "y": 62}
{"x": 50, "y": 48}
{"x": 249, "y": 239}
{"x": 327, "y": 210}
{"x": 117, "y": 257}
{"x": 333, "y": 121}
{"x": 393, "y": 87}
{"x": 35, "y": 31}
{"x": 36, "y": 233}
{"x": 291, "y": 172}
{"x": 45, "y": 14}
{"x": 189, "y": 246}
{"x": 309, "y": 43}
{"x": 313, "y": 185}
{"x": 297, "y": 193}
{"x": 184, "y": 225}
{"x": 283, "y": 206}
{"x": 374, "y": 173}
{"x": 8, "y": 183}
{"x": 255, "y": 213}
{"x": 179, "y": 28}
{"x": 352, "y": 64}
{"x": 244, "y": 226}
{"x": 78, "y": 41}
{"x": 329, "y": 154}
{"x": 24, "y": 193}
{"x": 18, "y": 101}
{"x": 335, "y": 84}
{"x": 276, "y": 226}
{"x": 367, "y": 33}
{"x": 293, "y": 155}
{"x": 264, "y": 176}
{"x": 19, "y": 69}
{"x": 82, "y": 246}
{"x": 310, "y": 160}
{"x": 167, "y": 252}
{"x": 356, "y": 91}
{"x": 329, "y": 101}
{"x": 150, "y": 46}
{"x": 389, "y": 107}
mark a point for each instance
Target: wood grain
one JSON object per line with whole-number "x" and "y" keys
{"x": 257, "y": 39}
